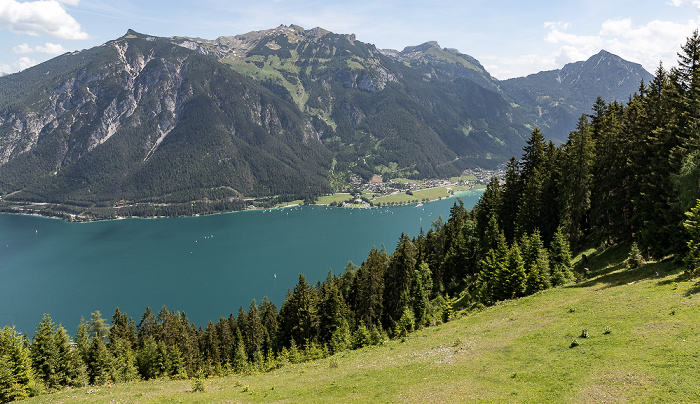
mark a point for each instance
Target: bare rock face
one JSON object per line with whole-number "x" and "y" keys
{"x": 99, "y": 126}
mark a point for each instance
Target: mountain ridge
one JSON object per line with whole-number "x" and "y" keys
{"x": 116, "y": 123}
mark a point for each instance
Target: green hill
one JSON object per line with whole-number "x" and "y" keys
{"x": 641, "y": 347}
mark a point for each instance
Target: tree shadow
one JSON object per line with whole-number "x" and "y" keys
{"x": 617, "y": 274}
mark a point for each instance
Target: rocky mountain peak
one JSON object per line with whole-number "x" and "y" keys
{"x": 420, "y": 48}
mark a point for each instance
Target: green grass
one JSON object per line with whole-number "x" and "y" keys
{"x": 431, "y": 194}
{"x": 464, "y": 178}
{"x": 642, "y": 346}
{"x": 328, "y": 199}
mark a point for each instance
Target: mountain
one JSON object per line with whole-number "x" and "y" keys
{"x": 376, "y": 114}
{"x": 273, "y": 115}
{"x": 555, "y": 99}
{"x": 551, "y": 100}
{"x": 141, "y": 119}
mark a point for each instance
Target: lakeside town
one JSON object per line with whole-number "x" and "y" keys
{"x": 400, "y": 191}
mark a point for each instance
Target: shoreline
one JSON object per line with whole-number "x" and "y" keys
{"x": 456, "y": 194}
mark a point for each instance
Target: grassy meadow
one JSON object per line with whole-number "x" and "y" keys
{"x": 618, "y": 336}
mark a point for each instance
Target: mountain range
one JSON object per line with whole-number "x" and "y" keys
{"x": 270, "y": 115}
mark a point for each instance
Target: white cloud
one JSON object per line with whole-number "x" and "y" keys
{"x": 678, "y": 3}
{"x": 646, "y": 44}
{"x": 48, "y": 48}
{"x": 42, "y": 17}
{"x": 18, "y": 65}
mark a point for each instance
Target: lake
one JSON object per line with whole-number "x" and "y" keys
{"x": 206, "y": 266}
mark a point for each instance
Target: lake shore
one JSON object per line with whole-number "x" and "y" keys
{"x": 63, "y": 212}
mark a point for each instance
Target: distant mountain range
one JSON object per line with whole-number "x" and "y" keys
{"x": 282, "y": 113}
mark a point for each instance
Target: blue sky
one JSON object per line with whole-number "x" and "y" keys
{"x": 510, "y": 38}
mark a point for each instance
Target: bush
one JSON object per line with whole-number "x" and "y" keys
{"x": 198, "y": 385}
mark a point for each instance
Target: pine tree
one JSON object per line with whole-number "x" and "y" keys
{"x": 71, "y": 369}
{"x": 397, "y": 281}
{"x": 332, "y": 312}
{"x": 82, "y": 340}
{"x": 298, "y": 314}
{"x": 123, "y": 366}
{"x": 123, "y": 328}
{"x": 99, "y": 366}
{"x": 253, "y": 332}
{"x": 239, "y": 360}
{"x": 369, "y": 288}
{"x": 692, "y": 227}
{"x": 516, "y": 281}
{"x": 97, "y": 326}
{"x": 419, "y": 294}
{"x": 512, "y": 192}
{"x": 270, "y": 321}
{"x": 576, "y": 181}
{"x": 16, "y": 375}
{"x": 560, "y": 260}
{"x": 44, "y": 353}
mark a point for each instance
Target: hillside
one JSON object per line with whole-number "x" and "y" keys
{"x": 550, "y": 100}
{"x": 642, "y": 334}
{"x": 140, "y": 119}
{"x": 180, "y": 126}
{"x": 374, "y": 112}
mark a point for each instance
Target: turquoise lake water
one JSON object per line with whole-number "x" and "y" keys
{"x": 206, "y": 266}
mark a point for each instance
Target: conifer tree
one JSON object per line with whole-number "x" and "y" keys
{"x": 397, "y": 281}
{"x": 99, "y": 367}
{"x": 576, "y": 181}
{"x": 512, "y": 191}
{"x": 298, "y": 314}
{"x": 16, "y": 375}
{"x": 82, "y": 340}
{"x": 369, "y": 288}
{"x": 97, "y": 326}
{"x": 419, "y": 294}
{"x": 253, "y": 332}
{"x": 692, "y": 227}
{"x": 239, "y": 361}
{"x": 560, "y": 259}
{"x": 123, "y": 366}
{"x": 516, "y": 280}
{"x": 71, "y": 368}
{"x": 44, "y": 353}
{"x": 332, "y": 312}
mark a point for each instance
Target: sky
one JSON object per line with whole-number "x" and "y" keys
{"x": 511, "y": 38}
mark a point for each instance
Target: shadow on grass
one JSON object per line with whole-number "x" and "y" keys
{"x": 608, "y": 268}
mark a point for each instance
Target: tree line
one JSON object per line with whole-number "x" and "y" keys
{"x": 626, "y": 174}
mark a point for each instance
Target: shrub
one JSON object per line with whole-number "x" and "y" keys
{"x": 198, "y": 385}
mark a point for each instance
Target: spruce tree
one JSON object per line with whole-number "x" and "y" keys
{"x": 560, "y": 259}
{"x": 576, "y": 181}
{"x": 71, "y": 368}
{"x": 370, "y": 288}
{"x": 44, "y": 353}
{"x": 16, "y": 374}
{"x": 692, "y": 227}
{"x": 239, "y": 360}
{"x": 516, "y": 281}
{"x": 99, "y": 366}
{"x": 397, "y": 281}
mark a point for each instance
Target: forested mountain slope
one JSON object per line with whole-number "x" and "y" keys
{"x": 268, "y": 116}
{"x": 142, "y": 119}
